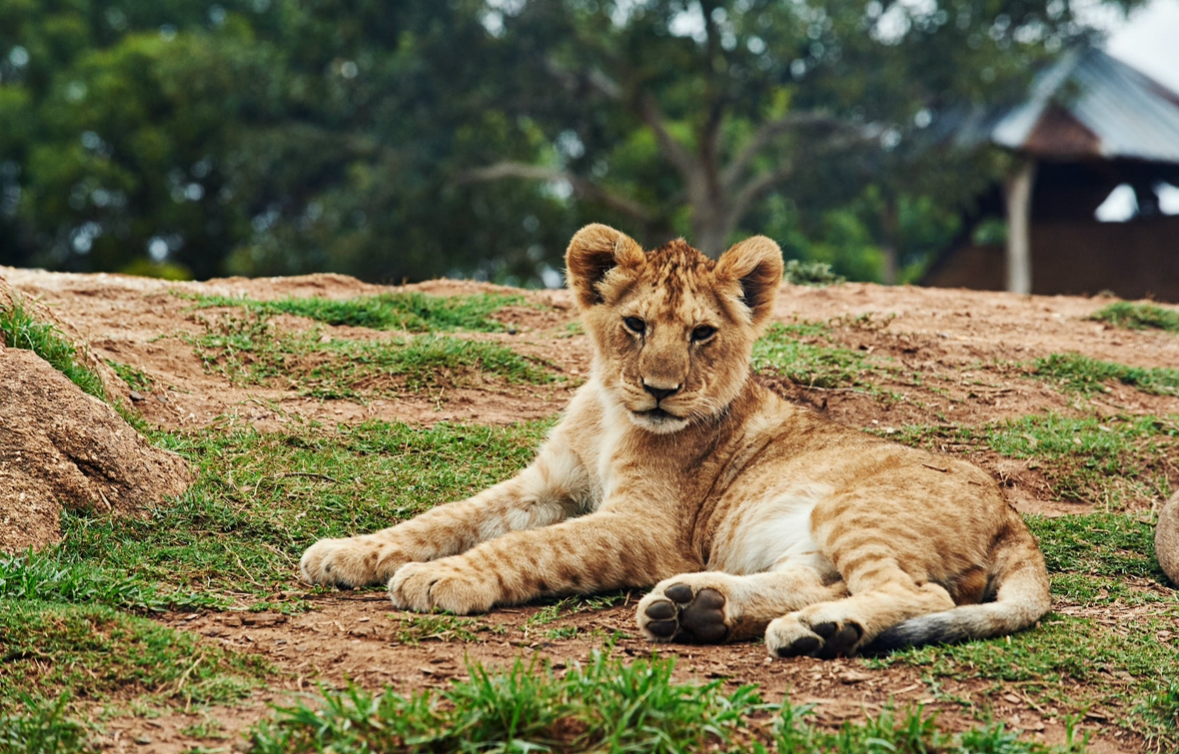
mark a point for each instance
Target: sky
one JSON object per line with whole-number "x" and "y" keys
{"x": 1149, "y": 41}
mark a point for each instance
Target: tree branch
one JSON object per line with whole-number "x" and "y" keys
{"x": 756, "y": 188}
{"x": 769, "y": 131}
{"x": 576, "y": 83}
{"x": 582, "y": 187}
{"x": 672, "y": 149}
{"x": 760, "y": 185}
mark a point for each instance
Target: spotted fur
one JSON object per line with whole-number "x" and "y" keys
{"x": 673, "y": 468}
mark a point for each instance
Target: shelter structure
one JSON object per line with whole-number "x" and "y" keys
{"x": 1092, "y": 124}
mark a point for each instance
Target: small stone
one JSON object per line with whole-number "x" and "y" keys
{"x": 143, "y": 740}
{"x": 854, "y": 676}
{"x": 136, "y": 396}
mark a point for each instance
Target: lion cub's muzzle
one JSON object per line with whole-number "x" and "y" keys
{"x": 654, "y": 414}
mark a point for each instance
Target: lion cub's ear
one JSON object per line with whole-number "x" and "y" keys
{"x": 593, "y": 254}
{"x": 756, "y": 265}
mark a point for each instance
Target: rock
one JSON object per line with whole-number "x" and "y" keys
{"x": 62, "y": 448}
{"x": 1166, "y": 539}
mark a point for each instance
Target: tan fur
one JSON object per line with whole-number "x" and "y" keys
{"x": 673, "y": 468}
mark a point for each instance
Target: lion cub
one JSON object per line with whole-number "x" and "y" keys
{"x": 673, "y": 467}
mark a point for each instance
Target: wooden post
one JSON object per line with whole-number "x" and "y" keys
{"x": 1019, "y": 227}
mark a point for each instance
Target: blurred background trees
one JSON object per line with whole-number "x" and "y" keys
{"x": 398, "y": 141}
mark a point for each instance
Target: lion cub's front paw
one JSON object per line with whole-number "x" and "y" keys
{"x": 347, "y": 563}
{"x": 425, "y": 586}
{"x": 678, "y": 611}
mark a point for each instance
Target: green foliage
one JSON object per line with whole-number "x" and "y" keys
{"x": 21, "y": 330}
{"x": 1087, "y": 375}
{"x": 161, "y": 270}
{"x": 412, "y": 312}
{"x": 47, "y": 577}
{"x": 135, "y": 378}
{"x": 97, "y": 651}
{"x": 281, "y": 137}
{"x": 810, "y": 273}
{"x": 262, "y": 137}
{"x": 603, "y": 706}
{"x": 41, "y": 727}
{"x": 1138, "y": 316}
{"x": 911, "y": 733}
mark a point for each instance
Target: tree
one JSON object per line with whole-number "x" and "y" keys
{"x": 404, "y": 140}
{"x": 689, "y": 114}
{"x": 261, "y": 137}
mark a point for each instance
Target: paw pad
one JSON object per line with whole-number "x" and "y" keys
{"x": 688, "y": 617}
{"x": 828, "y": 640}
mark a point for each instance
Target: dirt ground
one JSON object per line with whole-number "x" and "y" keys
{"x": 962, "y": 344}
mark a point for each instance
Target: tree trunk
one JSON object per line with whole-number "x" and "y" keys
{"x": 888, "y": 224}
{"x": 710, "y": 228}
{"x": 1019, "y": 222}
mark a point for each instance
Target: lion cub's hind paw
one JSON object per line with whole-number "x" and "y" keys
{"x": 792, "y": 636}
{"x": 680, "y": 614}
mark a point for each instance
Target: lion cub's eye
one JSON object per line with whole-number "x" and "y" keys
{"x": 635, "y": 325}
{"x": 702, "y": 333}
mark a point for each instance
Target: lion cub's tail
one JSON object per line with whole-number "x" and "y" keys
{"x": 1021, "y": 599}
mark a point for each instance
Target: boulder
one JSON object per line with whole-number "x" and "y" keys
{"x": 1166, "y": 539}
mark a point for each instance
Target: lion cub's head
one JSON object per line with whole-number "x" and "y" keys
{"x": 672, "y": 329}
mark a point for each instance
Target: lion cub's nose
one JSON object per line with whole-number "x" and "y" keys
{"x": 661, "y": 393}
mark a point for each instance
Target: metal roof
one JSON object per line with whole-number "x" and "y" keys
{"x": 1087, "y": 104}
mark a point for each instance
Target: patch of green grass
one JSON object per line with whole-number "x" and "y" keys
{"x": 260, "y": 499}
{"x": 135, "y": 378}
{"x": 96, "y": 653}
{"x": 423, "y": 361}
{"x": 1085, "y": 375}
{"x": 415, "y": 629}
{"x": 250, "y": 350}
{"x": 603, "y": 706}
{"x": 1088, "y": 459}
{"x": 573, "y": 604}
{"x": 1094, "y": 590}
{"x": 21, "y": 330}
{"x": 208, "y": 728}
{"x": 1138, "y": 316}
{"x": 45, "y": 577}
{"x": 41, "y": 727}
{"x": 410, "y": 312}
{"x": 1099, "y": 544}
{"x": 783, "y": 352}
{"x": 1072, "y": 663}
{"x": 910, "y": 733}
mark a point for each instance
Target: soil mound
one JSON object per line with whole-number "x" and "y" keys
{"x": 62, "y": 448}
